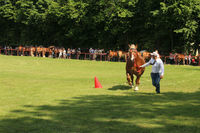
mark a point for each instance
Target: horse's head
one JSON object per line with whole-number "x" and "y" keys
{"x": 133, "y": 54}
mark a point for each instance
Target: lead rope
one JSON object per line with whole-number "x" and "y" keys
{"x": 138, "y": 68}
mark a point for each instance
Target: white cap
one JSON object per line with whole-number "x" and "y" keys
{"x": 155, "y": 54}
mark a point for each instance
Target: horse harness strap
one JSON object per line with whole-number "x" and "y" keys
{"x": 138, "y": 68}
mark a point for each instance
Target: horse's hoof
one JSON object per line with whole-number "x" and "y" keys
{"x": 136, "y": 88}
{"x": 131, "y": 86}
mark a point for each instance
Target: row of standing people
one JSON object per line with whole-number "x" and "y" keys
{"x": 66, "y": 53}
{"x": 63, "y": 53}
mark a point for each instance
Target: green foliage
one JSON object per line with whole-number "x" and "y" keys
{"x": 153, "y": 24}
{"x": 7, "y": 10}
{"x": 179, "y": 18}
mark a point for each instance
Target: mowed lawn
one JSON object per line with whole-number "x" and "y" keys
{"x": 43, "y": 95}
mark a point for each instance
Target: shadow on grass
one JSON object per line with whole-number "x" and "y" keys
{"x": 139, "y": 113}
{"x": 194, "y": 68}
{"x": 120, "y": 87}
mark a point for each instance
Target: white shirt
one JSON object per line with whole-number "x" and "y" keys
{"x": 64, "y": 52}
{"x": 157, "y": 66}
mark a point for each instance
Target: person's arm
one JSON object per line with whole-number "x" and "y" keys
{"x": 162, "y": 69}
{"x": 147, "y": 64}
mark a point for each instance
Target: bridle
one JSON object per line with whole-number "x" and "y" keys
{"x": 133, "y": 55}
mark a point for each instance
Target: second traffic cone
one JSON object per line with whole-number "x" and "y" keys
{"x": 97, "y": 83}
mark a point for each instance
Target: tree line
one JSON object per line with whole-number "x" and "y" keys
{"x": 166, "y": 25}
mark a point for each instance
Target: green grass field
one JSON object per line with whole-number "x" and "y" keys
{"x": 40, "y": 95}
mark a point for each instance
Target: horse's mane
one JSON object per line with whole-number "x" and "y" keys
{"x": 141, "y": 58}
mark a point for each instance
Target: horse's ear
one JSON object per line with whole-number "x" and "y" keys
{"x": 136, "y": 46}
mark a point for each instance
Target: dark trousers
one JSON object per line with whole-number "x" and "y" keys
{"x": 156, "y": 81}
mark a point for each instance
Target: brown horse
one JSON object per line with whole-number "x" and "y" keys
{"x": 32, "y": 50}
{"x": 20, "y": 50}
{"x": 179, "y": 57}
{"x": 39, "y": 51}
{"x": 45, "y": 51}
{"x": 112, "y": 54}
{"x": 50, "y": 50}
{"x": 121, "y": 54}
{"x": 146, "y": 55}
{"x": 133, "y": 63}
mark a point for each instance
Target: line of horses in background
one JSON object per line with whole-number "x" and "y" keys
{"x": 39, "y": 51}
{"x": 176, "y": 57}
{"x": 51, "y": 51}
{"x": 119, "y": 55}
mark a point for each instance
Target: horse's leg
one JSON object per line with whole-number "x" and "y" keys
{"x": 132, "y": 79}
{"x": 128, "y": 76}
{"x": 137, "y": 82}
{"x": 125, "y": 58}
{"x": 119, "y": 59}
{"x": 183, "y": 61}
{"x": 43, "y": 54}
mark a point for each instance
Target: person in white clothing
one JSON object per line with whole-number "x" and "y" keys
{"x": 157, "y": 70}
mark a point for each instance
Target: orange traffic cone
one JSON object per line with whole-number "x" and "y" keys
{"x": 97, "y": 83}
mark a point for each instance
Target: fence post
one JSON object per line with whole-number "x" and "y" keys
{"x": 85, "y": 56}
{"x": 176, "y": 60}
{"x": 199, "y": 60}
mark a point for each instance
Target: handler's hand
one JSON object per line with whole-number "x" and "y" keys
{"x": 161, "y": 77}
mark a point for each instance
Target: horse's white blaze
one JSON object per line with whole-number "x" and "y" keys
{"x": 132, "y": 57}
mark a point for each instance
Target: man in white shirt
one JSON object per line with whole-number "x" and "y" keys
{"x": 157, "y": 70}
